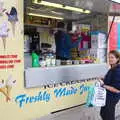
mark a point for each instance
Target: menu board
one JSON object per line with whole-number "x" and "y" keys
{"x": 34, "y": 20}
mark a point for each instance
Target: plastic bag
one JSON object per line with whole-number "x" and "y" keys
{"x": 90, "y": 96}
{"x": 96, "y": 96}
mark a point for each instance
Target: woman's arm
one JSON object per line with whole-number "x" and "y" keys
{"x": 115, "y": 86}
{"x": 111, "y": 89}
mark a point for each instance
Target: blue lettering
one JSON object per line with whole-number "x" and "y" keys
{"x": 31, "y": 99}
{"x": 65, "y": 92}
{"x": 47, "y": 97}
{"x": 44, "y": 95}
{"x": 36, "y": 99}
{"x": 40, "y": 96}
{"x": 21, "y": 99}
{"x": 83, "y": 89}
{"x": 27, "y": 100}
{"x": 59, "y": 92}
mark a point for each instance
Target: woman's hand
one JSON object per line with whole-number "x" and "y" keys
{"x": 101, "y": 82}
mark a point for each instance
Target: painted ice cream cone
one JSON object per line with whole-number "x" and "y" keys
{"x": 13, "y": 26}
{"x": 12, "y": 18}
{"x": 10, "y": 83}
{"x": 1, "y": 7}
{"x": 2, "y": 84}
{"x": 4, "y": 42}
{"x": 8, "y": 92}
{"x": 4, "y": 90}
{"x": 4, "y": 33}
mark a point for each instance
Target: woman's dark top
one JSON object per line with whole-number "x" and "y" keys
{"x": 112, "y": 78}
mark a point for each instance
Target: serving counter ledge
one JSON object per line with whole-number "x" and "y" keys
{"x": 37, "y": 77}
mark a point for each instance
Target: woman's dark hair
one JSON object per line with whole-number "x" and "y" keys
{"x": 116, "y": 54}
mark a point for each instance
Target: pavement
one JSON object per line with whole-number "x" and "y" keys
{"x": 78, "y": 113}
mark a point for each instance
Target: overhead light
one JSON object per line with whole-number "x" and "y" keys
{"x": 45, "y": 16}
{"x": 117, "y": 1}
{"x": 87, "y": 11}
{"x": 56, "y": 5}
{"x": 73, "y": 9}
{"x": 58, "y": 13}
{"x": 48, "y": 4}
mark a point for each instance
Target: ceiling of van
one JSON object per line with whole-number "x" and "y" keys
{"x": 95, "y": 6}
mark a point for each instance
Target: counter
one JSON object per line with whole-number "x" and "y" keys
{"x": 36, "y": 77}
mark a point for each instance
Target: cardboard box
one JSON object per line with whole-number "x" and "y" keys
{"x": 98, "y": 40}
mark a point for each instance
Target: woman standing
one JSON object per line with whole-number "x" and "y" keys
{"x": 112, "y": 85}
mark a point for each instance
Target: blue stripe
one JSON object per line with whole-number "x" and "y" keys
{"x": 118, "y": 42}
